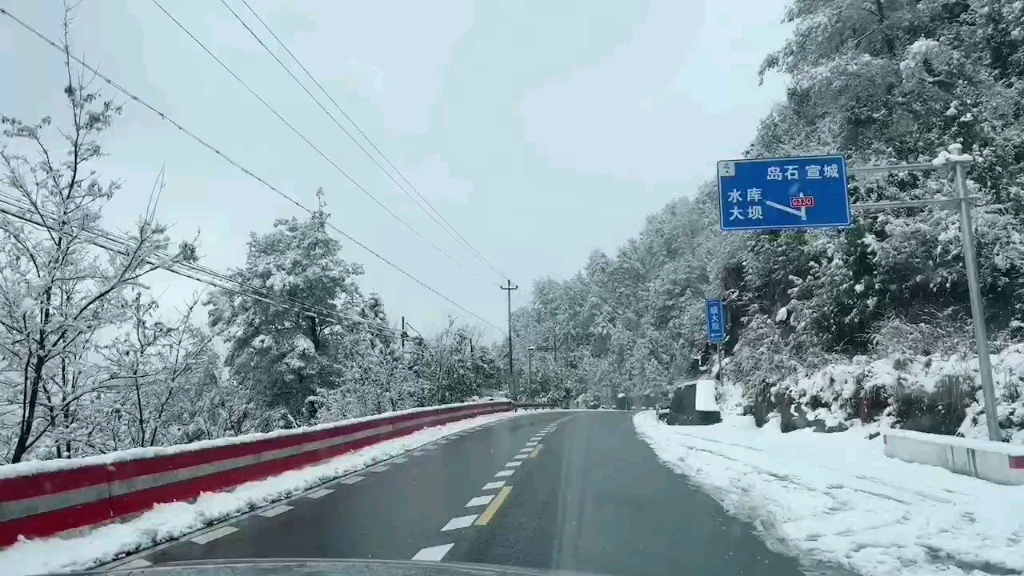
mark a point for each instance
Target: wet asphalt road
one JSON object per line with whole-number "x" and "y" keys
{"x": 554, "y": 490}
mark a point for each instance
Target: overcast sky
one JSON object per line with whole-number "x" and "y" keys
{"x": 539, "y": 129}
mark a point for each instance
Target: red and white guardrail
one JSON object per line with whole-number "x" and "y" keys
{"x": 48, "y": 497}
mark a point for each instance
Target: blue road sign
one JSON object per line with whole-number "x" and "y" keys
{"x": 783, "y": 194}
{"x": 716, "y": 321}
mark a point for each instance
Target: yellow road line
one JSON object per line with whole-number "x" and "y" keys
{"x": 493, "y": 507}
{"x": 535, "y": 451}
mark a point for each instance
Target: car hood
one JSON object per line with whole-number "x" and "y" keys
{"x": 320, "y": 567}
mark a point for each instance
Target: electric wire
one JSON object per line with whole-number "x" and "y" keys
{"x": 21, "y": 210}
{"x": 236, "y": 164}
{"x": 315, "y": 148}
{"x": 439, "y": 219}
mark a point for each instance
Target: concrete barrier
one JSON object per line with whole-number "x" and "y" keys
{"x": 48, "y": 497}
{"x": 993, "y": 461}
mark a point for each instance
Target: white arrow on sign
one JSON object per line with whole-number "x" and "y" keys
{"x": 802, "y": 212}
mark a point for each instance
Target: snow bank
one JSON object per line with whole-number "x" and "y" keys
{"x": 937, "y": 386}
{"x": 835, "y": 500}
{"x": 169, "y": 521}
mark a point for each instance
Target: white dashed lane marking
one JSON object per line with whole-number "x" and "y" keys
{"x": 137, "y": 563}
{"x": 418, "y": 453}
{"x": 480, "y": 501}
{"x": 352, "y": 479}
{"x": 271, "y": 512}
{"x": 493, "y": 485}
{"x": 504, "y": 473}
{"x": 319, "y": 493}
{"x": 380, "y": 468}
{"x": 522, "y": 456}
{"x": 434, "y": 553}
{"x": 513, "y": 464}
{"x": 460, "y": 522}
{"x": 213, "y": 535}
{"x": 532, "y": 442}
{"x": 400, "y": 460}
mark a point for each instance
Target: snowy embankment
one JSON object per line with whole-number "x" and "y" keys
{"x": 170, "y": 521}
{"x": 837, "y": 499}
{"x": 939, "y": 394}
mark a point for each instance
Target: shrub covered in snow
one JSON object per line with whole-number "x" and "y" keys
{"x": 939, "y": 394}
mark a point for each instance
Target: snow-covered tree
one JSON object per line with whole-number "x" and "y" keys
{"x": 57, "y": 290}
{"x": 879, "y": 82}
{"x": 454, "y": 366}
{"x": 282, "y": 355}
{"x": 163, "y": 370}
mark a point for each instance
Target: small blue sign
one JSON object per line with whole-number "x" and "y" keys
{"x": 716, "y": 321}
{"x": 783, "y": 194}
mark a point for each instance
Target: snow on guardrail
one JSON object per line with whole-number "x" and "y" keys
{"x": 49, "y": 497}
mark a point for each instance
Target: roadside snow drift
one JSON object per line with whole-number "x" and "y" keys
{"x": 837, "y": 499}
{"x": 170, "y": 521}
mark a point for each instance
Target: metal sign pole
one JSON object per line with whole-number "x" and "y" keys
{"x": 960, "y": 163}
{"x": 720, "y": 377}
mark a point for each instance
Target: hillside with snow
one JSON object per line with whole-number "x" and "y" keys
{"x": 870, "y": 323}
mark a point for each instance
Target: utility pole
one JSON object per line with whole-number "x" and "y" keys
{"x": 511, "y": 375}
{"x": 403, "y": 332}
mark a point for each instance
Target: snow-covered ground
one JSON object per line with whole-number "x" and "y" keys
{"x": 834, "y": 386}
{"x": 169, "y": 521}
{"x": 835, "y": 499}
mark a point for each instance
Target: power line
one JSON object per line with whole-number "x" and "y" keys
{"x": 443, "y": 223}
{"x": 310, "y": 143}
{"x": 234, "y": 163}
{"x": 522, "y": 299}
{"x": 25, "y": 212}
{"x": 111, "y": 242}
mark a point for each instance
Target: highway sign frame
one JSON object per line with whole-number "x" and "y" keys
{"x": 715, "y": 306}
{"x": 756, "y": 195}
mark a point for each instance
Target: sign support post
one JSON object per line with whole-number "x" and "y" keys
{"x": 720, "y": 377}
{"x": 960, "y": 162}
